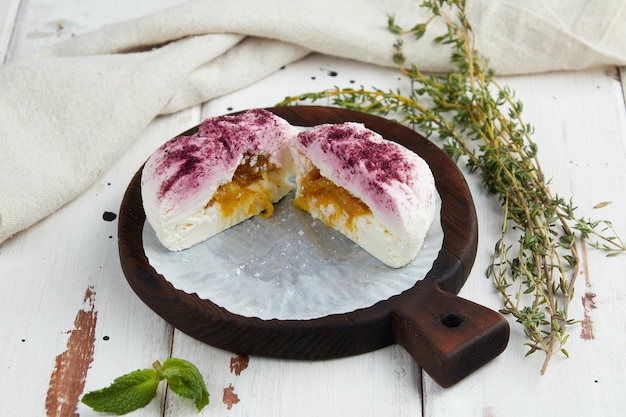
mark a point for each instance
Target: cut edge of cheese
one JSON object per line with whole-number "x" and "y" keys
{"x": 235, "y": 167}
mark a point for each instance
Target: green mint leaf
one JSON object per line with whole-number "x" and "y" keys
{"x": 127, "y": 393}
{"x": 185, "y": 380}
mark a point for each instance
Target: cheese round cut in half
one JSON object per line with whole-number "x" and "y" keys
{"x": 374, "y": 191}
{"x": 235, "y": 167}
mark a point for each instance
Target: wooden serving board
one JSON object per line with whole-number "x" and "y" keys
{"x": 448, "y": 336}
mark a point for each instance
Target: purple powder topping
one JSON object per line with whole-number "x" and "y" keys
{"x": 354, "y": 148}
{"x": 180, "y": 156}
{"x": 240, "y": 123}
{"x": 185, "y": 162}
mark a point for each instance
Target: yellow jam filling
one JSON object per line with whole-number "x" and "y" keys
{"x": 250, "y": 190}
{"x": 320, "y": 191}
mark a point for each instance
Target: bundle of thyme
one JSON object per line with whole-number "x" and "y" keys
{"x": 536, "y": 259}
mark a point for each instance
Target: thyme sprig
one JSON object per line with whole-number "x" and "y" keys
{"x": 536, "y": 259}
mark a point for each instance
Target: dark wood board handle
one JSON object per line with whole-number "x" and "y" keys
{"x": 450, "y": 337}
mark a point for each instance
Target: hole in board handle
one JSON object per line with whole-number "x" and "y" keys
{"x": 451, "y": 320}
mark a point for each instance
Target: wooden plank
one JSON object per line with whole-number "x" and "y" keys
{"x": 46, "y": 283}
{"x": 580, "y": 131}
{"x": 9, "y": 12}
{"x": 303, "y": 388}
{"x": 70, "y": 322}
{"x": 45, "y": 22}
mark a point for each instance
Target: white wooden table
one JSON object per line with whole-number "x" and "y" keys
{"x": 69, "y": 318}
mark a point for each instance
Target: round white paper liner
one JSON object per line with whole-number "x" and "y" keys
{"x": 288, "y": 267}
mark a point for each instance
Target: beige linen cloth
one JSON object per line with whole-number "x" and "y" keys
{"x": 66, "y": 114}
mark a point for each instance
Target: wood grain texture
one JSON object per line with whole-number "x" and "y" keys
{"x": 44, "y": 271}
{"x": 449, "y": 337}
